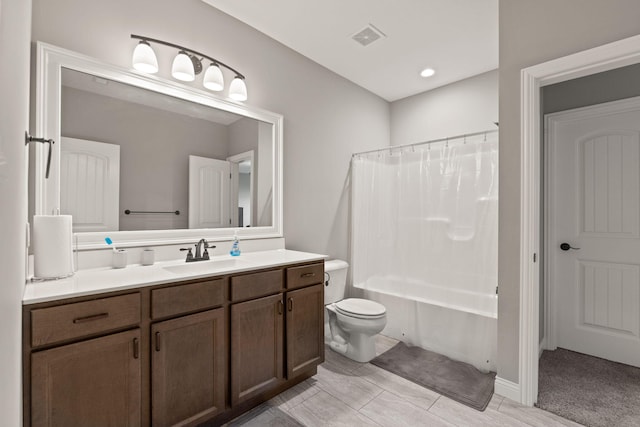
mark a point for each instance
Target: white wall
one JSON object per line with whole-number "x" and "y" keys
{"x": 326, "y": 118}
{"x": 467, "y": 106}
{"x": 14, "y": 115}
{"x": 532, "y": 32}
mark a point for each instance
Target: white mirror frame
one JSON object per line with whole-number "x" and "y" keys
{"x": 50, "y": 61}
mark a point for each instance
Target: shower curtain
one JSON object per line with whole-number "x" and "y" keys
{"x": 425, "y": 222}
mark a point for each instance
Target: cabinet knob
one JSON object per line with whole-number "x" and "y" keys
{"x": 280, "y": 307}
{"x": 157, "y": 341}
{"x": 290, "y": 302}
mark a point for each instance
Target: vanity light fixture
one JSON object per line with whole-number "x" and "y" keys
{"x": 187, "y": 65}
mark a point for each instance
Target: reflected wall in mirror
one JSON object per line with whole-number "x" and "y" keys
{"x": 150, "y": 158}
{"x": 112, "y": 130}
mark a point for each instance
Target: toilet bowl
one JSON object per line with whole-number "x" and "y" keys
{"x": 350, "y": 324}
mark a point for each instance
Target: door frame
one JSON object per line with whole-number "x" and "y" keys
{"x": 235, "y": 160}
{"x": 602, "y": 58}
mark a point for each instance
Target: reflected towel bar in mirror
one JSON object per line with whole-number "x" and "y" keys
{"x": 129, "y": 212}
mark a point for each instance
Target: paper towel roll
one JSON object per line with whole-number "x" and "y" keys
{"x": 52, "y": 246}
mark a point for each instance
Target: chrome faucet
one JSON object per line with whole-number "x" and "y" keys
{"x": 200, "y": 254}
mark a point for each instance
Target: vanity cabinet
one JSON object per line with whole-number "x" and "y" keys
{"x": 175, "y": 354}
{"x": 305, "y": 329}
{"x": 257, "y": 334}
{"x": 188, "y": 367}
{"x": 257, "y": 331}
{"x": 96, "y": 381}
{"x": 258, "y": 327}
{"x": 188, "y": 353}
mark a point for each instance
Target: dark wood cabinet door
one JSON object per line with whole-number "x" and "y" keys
{"x": 90, "y": 383}
{"x": 257, "y": 347}
{"x": 188, "y": 368}
{"x": 305, "y": 329}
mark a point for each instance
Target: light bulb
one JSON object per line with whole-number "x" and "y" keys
{"x": 238, "y": 89}
{"x": 144, "y": 59}
{"x": 213, "y": 79}
{"x": 182, "y": 68}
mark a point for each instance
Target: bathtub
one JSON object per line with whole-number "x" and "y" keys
{"x": 459, "y": 324}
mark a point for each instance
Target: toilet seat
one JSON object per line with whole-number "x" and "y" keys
{"x": 360, "y": 308}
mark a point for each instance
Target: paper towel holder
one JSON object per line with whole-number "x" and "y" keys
{"x": 28, "y": 138}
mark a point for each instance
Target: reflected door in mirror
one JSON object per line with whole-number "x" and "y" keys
{"x": 209, "y": 182}
{"x": 90, "y": 184}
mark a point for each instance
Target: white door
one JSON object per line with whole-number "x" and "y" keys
{"x": 594, "y": 196}
{"x": 90, "y": 184}
{"x": 209, "y": 182}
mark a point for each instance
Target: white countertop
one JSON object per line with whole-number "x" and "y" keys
{"x": 101, "y": 280}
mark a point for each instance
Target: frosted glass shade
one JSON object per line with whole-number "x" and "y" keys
{"x": 144, "y": 58}
{"x": 238, "y": 90}
{"x": 182, "y": 68}
{"x": 213, "y": 79}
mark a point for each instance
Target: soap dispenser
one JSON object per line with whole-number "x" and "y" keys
{"x": 235, "y": 248}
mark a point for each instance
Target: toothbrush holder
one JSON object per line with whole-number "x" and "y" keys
{"x": 119, "y": 259}
{"x": 148, "y": 257}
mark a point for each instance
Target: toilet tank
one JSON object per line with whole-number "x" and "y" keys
{"x": 335, "y": 277}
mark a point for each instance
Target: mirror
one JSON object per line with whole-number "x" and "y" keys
{"x": 145, "y": 160}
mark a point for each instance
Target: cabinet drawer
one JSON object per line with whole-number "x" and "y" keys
{"x": 65, "y": 322}
{"x": 187, "y": 298}
{"x": 306, "y": 275}
{"x": 256, "y": 285}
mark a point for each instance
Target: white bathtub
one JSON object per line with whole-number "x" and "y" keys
{"x": 458, "y": 324}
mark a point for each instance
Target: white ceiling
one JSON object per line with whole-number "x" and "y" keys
{"x": 457, "y": 38}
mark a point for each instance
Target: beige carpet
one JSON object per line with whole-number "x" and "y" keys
{"x": 592, "y": 391}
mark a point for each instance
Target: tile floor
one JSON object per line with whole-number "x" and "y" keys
{"x": 348, "y": 393}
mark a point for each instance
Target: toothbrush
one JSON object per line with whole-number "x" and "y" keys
{"x": 110, "y": 243}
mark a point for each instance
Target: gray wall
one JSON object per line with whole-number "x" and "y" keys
{"x": 326, "y": 117}
{"x": 155, "y": 146}
{"x": 531, "y": 33}
{"x": 15, "y": 24}
{"x": 467, "y": 106}
{"x": 597, "y": 88}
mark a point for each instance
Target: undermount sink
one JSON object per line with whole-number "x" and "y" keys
{"x": 204, "y": 267}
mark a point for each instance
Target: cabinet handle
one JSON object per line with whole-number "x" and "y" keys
{"x": 280, "y": 307}
{"x": 90, "y": 318}
{"x": 290, "y": 302}
{"x": 136, "y": 348}
{"x": 157, "y": 341}
{"x": 307, "y": 275}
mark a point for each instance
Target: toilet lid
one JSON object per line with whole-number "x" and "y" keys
{"x": 360, "y": 307}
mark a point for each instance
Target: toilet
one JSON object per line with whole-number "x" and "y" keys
{"x": 350, "y": 325}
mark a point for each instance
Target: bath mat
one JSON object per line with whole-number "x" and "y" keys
{"x": 592, "y": 391}
{"x": 456, "y": 380}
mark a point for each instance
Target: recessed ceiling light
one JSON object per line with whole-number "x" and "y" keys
{"x": 427, "y": 72}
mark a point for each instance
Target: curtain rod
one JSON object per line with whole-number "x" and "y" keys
{"x": 401, "y": 147}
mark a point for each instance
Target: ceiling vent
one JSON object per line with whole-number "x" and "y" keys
{"x": 368, "y": 35}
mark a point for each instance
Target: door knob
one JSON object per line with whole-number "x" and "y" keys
{"x": 566, "y": 247}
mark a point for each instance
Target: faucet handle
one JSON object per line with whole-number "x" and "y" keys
{"x": 205, "y": 255}
{"x": 189, "y": 254}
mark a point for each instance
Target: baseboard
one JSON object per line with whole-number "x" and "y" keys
{"x": 507, "y": 389}
{"x": 542, "y": 347}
